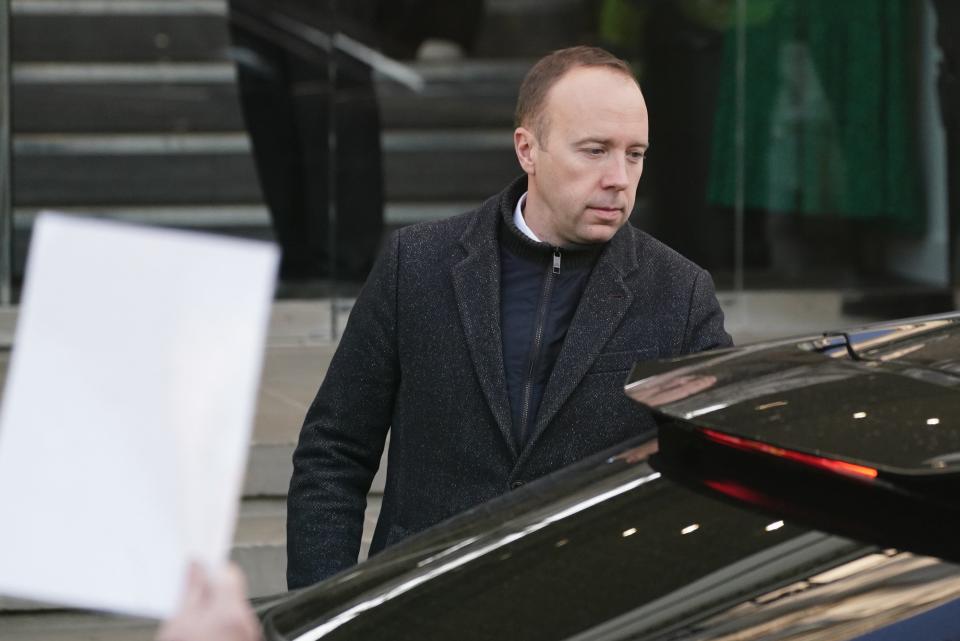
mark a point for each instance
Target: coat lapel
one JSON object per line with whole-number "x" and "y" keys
{"x": 604, "y": 303}
{"x": 476, "y": 281}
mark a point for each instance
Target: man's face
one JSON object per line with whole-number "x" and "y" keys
{"x": 584, "y": 167}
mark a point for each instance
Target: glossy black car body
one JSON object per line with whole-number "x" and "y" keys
{"x": 854, "y": 433}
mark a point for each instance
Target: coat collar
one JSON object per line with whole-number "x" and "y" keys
{"x": 476, "y": 281}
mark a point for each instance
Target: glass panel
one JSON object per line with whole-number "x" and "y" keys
{"x": 234, "y": 116}
{"x": 844, "y": 149}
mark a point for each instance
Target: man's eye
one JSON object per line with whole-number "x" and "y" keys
{"x": 594, "y": 151}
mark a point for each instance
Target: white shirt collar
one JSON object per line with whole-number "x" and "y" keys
{"x": 520, "y": 222}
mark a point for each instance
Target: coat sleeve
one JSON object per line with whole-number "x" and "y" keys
{"x": 704, "y": 329}
{"x": 343, "y": 434}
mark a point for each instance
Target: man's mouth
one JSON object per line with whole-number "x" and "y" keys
{"x": 606, "y": 211}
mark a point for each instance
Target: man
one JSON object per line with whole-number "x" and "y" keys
{"x": 494, "y": 344}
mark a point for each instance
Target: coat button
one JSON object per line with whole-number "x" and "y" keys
{"x": 516, "y": 484}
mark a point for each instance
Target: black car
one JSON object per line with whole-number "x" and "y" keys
{"x": 799, "y": 489}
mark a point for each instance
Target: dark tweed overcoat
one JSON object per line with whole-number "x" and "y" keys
{"x": 422, "y": 356}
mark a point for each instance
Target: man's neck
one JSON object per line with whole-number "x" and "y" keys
{"x": 521, "y": 223}
{"x": 530, "y": 210}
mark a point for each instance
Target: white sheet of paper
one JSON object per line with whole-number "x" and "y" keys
{"x": 128, "y": 409}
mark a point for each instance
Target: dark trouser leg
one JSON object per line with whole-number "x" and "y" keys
{"x": 270, "y": 113}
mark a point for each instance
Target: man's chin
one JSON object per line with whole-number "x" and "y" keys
{"x": 597, "y": 234}
{"x": 601, "y": 232}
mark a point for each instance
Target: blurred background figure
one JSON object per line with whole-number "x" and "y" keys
{"x": 829, "y": 134}
{"x": 297, "y": 99}
{"x": 838, "y": 150}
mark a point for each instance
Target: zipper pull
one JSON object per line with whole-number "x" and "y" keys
{"x": 556, "y": 260}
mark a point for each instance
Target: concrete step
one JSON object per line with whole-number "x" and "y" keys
{"x": 242, "y": 221}
{"x": 152, "y": 30}
{"x": 103, "y": 30}
{"x": 193, "y": 104}
{"x": 234, "y": 216}
{"x": 507, "y": 32}
{"x": 72, "y": 170}
{"x": 32, "y": 625}
{"x": 203, "y": 97}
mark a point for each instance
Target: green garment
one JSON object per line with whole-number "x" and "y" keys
{"x": 830, "y": 123}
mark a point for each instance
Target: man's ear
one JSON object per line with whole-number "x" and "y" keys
{"x": 526, "y": 147}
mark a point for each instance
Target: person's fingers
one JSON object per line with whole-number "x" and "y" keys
{"x": 233, "y": 598}
{"x": 233, "y": 581}
{"x": 249, "y": 626}
{"x": 213, "y": 608}
{"x": 193, "y": 600}
{"x": 198, "y": 589}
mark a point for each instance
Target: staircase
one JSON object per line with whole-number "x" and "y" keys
{"x": 128, "y": 109}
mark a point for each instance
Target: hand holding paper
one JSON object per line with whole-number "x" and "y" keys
{"x": 128, "y": 410}
{"x": 213, "y": 608}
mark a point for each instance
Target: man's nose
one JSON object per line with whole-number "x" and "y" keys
{"x": 615, "y": 173}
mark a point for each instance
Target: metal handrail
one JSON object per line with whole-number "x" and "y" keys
{"x": 6, "y": 181}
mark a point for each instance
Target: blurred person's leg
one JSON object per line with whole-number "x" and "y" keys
{"x": 360, "y": 191}
{"x": 284, "y": 84}
{"x": 270, "y": 114}
{"x": 358, "y": 185}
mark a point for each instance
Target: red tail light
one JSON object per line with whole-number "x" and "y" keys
{"x": 831, "y": 465}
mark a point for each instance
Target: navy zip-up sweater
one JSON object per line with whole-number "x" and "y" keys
{"x": 540, "y": 288}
